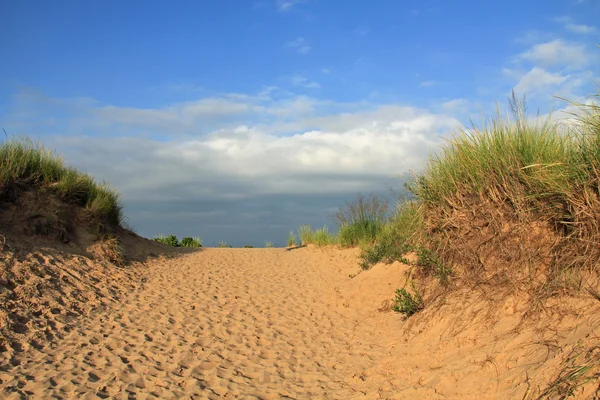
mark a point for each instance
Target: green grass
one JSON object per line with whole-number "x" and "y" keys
{"x": 322, "y": 237}
{"x": 268, "y": 244}
{"x": 26, "y": 164}
{"x": 291, "y": 240}
{"x": 512, "y": 160}
{"x": 222, "y": 245}
{"x": 305, "y": 234}
{"x": 361, "y": 220}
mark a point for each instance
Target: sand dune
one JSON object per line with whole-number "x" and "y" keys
{"x": 271, "y": 324}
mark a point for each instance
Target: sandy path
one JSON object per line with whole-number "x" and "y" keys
{"x": 221, "y": 323}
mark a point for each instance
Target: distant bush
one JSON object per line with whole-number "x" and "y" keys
{"x": 170, "y": 240}
{"x": 248, "y": 246}
{"x": 268, "y": 244}
{"x": 191, "y": 242}
{"x": 223, "y": 244}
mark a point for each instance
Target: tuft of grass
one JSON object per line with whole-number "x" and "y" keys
{"x": 322, "y": 237}
{"x": 305, "y": 234}
{"x": 223, "y": 244}
{"x": 170, "y": 240}
{"x": 248, "y": 246}
{"x": 291, "y": 240}
{"x": 25, "y": 164}
{"x": 268, "y": 244}
{"x": 190, "y": 242}
{"x": 361, "y": 220}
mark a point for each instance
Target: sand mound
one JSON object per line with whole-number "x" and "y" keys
{"x": 266, "y": 323}
{"x": 57, "y": 264}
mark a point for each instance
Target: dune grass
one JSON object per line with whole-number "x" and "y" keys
{"x": 361, "y": 220}
{"x": 25, "y": 164}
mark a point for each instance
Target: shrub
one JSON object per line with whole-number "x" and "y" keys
{"x": 170, "y": 240}
{"x": 248, "y": 246}
{"x": 223, "y": 244}
{"x": 190, "y": 242}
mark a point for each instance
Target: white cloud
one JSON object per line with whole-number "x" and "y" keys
{"x": 557, "y": 52}
{"x": 300, "y": 45}
{"x": 281, "y": 146}
{"x": 538, "y": 80}
{"x": 300, "y": 81}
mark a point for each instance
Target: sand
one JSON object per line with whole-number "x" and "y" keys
{"x": 275, "y": 324}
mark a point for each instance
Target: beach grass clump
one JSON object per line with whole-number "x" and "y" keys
{"x": 291, "y": 239}
{"x": 361, "y": 220}
{"x": 305, "y": 234}
{"x": 399, "y": 235}
{"x": 322, "y": 237}
{"x": 269, "y": 244}
{"x": 25, "y": 164}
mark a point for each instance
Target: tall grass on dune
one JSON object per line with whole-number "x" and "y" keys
{"x": 517, "y": 187}
{"x": 361, "y": 220}
{"x": 25, "y": 164}
{"x": 511, "y": 160}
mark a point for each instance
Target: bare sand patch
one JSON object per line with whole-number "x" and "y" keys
{"x": 270, "y": 324}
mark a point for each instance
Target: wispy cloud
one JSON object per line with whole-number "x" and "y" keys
{"x": 301, "y": 81}
{"x": 577, "y": 28}
{"x": 428, "y": 83}
{"x": 558, "y": 52}
{"x": 300, "y": 45}
{"x": 286, "y": 5}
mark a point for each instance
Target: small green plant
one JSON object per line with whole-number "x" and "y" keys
{"x": 430, "y": 262}
{"x": 291, "y": 240}
{"x": 223, "y": 244}
{"x": 248, "y": 246}
{"x": 305, "y": 234}
{"x": 170, "y": 240}
{"x": 190, "y": 242}
{"x": 268, "y": 244}
{"x": 407, "y": 303}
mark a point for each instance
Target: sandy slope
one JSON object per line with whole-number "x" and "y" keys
{"x": 266, "y": 323}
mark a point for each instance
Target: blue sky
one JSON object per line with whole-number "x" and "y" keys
{"x": 238, "y": 121}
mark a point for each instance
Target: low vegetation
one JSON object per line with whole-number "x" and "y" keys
{"x": 171, "y": 240}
